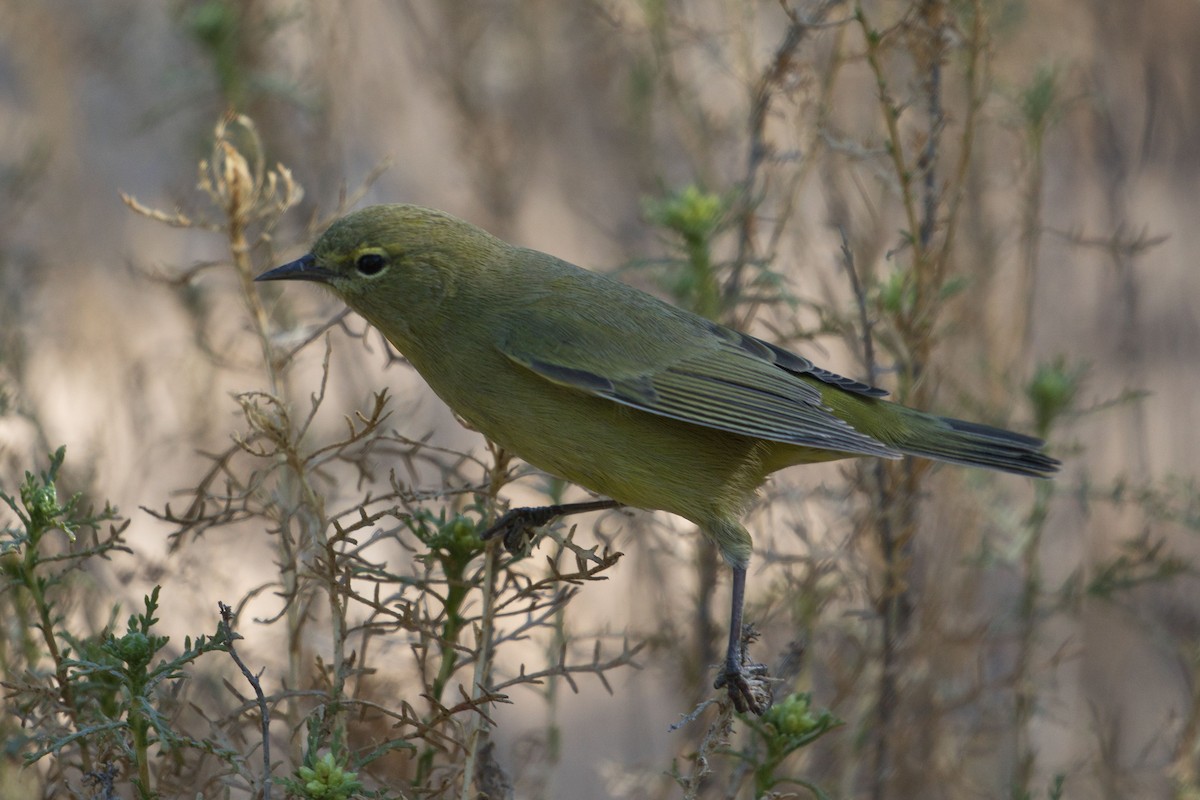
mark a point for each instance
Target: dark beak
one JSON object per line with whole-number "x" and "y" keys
{"x": 302, "y": 269}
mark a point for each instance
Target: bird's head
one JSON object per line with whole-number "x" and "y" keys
{"x": 395, "y": 264}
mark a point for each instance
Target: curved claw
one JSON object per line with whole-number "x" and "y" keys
{"x": 514, "y": 524}
{"x": 747, "y": 687}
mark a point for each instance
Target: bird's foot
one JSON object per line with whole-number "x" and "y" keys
{"x": 747, "y": 685}
{"x": 517, "y": 522}
{"x": 514, "y": 526}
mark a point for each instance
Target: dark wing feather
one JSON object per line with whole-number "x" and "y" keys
{"x": 797, "y": 365}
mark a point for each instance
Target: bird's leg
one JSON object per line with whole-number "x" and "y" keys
{"x": 514, "y": 524}
{"x": 741, "y": 678}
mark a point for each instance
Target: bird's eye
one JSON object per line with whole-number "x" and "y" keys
{"x": 370, "y": 264}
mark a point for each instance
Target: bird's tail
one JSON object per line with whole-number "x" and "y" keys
{"x": 976, "y": 445}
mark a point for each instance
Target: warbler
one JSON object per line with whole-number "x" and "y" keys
{"x": 611, "y": 388}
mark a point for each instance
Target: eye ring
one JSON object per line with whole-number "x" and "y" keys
{"x": 370, "y": 264}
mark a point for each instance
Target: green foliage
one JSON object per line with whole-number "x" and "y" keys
{"x": 695, "y": 216}
{"x": 1052, "y": 391}
{"x": 128, "y": 719}
{"x": 87, "y": 699}
{"x": 323, "y": 778}
{"x": 691, "y": 212}
{"x": 1040, "y": 103}
{"x": 232, "y": 34}
{"x": 788, "y": 726}
{"x": 1054, "y": 791}
{"x": 698, "y": 223}
{"x": 40, "y": 512}
{"x": 897, "y": 294}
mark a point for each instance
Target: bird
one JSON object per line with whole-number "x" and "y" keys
{"x": 597, "y": 382}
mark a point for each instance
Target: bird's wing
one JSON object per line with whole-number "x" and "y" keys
{"x": 663, "y": 360}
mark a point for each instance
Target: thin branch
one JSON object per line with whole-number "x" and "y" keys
{"x": 263, "y": 711}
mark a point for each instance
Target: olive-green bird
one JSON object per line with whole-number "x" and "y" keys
{"x": 611, "y": 388}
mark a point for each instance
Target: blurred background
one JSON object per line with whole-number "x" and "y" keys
{"x": 1020, "y": 213}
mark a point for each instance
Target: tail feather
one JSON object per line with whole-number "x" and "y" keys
{"x": 960, "y": 442}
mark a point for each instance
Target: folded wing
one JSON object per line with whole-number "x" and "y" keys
{"x": 665, "y": 361}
